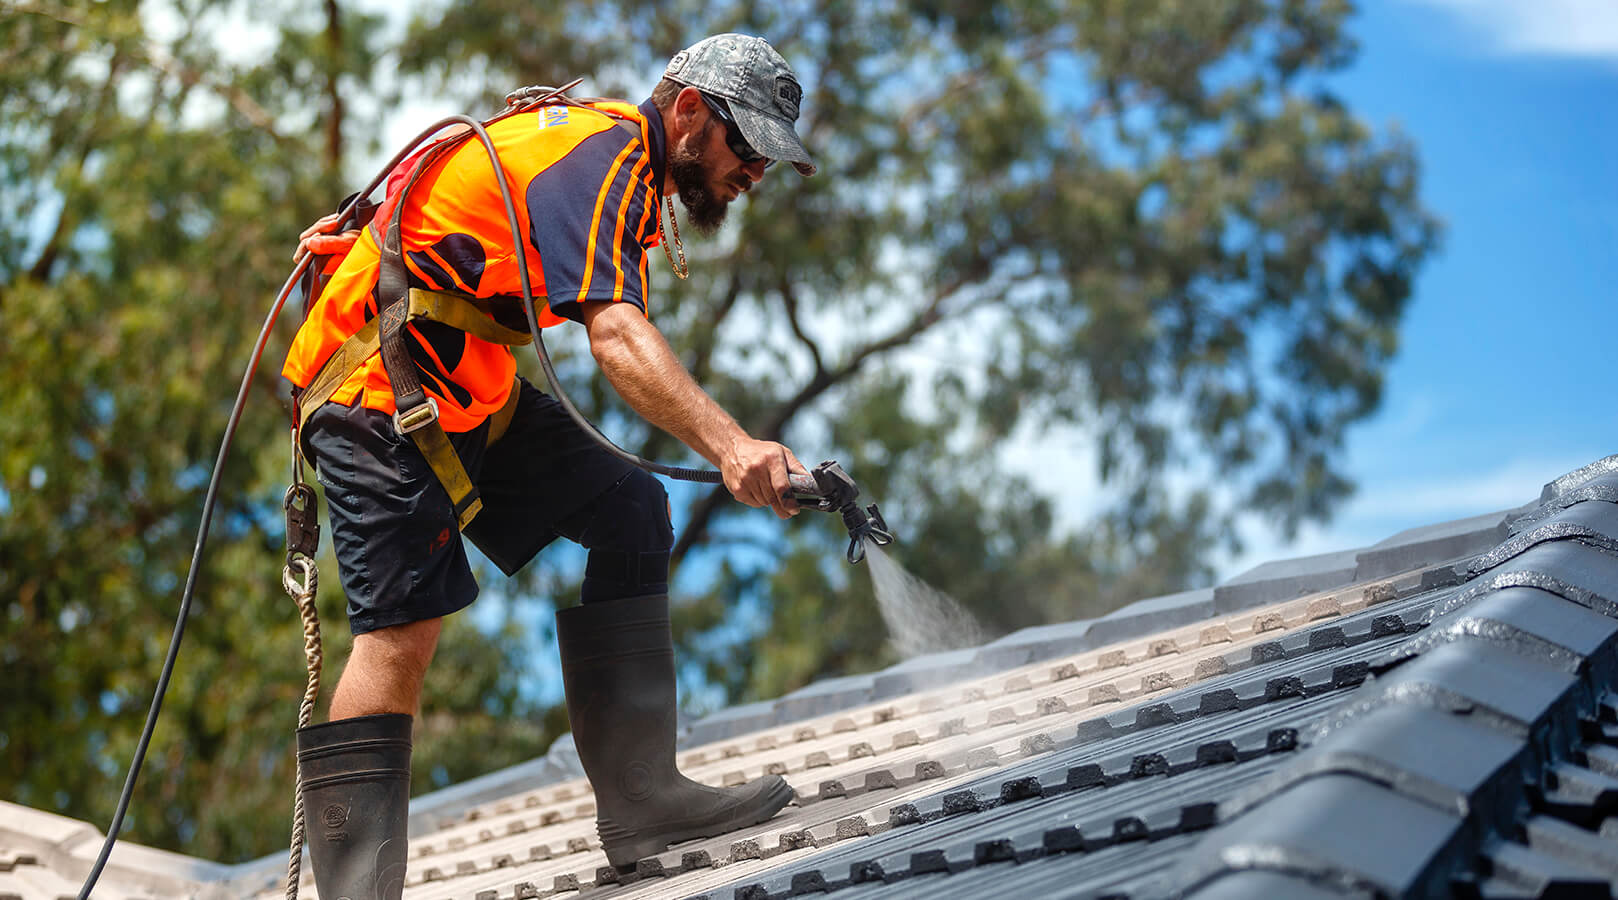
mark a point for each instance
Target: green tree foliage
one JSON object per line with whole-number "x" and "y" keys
{"x": 1146, "y": 226}
{"x": 1146, "y": 223}
{"x": 157, "y": 193}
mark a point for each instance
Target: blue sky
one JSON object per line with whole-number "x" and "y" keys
{"x": 1504, "y": 377}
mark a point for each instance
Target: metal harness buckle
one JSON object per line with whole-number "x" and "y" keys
{"x": 417, "y": 418}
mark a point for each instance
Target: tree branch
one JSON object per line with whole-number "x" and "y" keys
{"x": 235, "y": 96}
{"x": 334, "y": 118}
{"x": 65, "y": 222}
{"x": 789, "y": 298}
{"x": 709, "y": 340}
{"x": 824, "y": 380}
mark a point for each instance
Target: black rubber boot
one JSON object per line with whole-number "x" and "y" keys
{"x": 618, "y": 670}
{"x": 355, "y": 779}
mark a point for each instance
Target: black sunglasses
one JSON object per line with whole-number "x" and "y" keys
{"x": 733, "y": 133}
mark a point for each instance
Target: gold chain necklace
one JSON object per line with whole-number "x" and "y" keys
{"x": 681, "y": 270}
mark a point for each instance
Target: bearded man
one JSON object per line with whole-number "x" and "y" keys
{"x": 590, "y": 180}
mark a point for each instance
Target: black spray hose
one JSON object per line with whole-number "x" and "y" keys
{"x": 705, "y": 476}
{"x": 208, "y": 502}
{"x": 802, "y": 483}
{"x": 210, "y": 498}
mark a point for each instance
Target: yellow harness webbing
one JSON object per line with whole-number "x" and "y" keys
{"x": 429, "y": 437}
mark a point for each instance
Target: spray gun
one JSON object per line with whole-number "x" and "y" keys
{"x": 829, "y": 488}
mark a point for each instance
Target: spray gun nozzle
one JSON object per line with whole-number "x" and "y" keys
{"x": 866, "y": 525}
{"x": 828, "y": 488}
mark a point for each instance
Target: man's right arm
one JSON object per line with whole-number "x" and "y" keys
{"x": 642, "y": 367}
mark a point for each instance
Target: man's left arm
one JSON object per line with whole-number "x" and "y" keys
{"x": 642, "y": 367}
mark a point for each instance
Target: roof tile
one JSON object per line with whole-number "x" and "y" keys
{"x": 1399, "y": 846}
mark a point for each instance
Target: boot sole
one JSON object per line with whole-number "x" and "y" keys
{"x": 624, "y": 854}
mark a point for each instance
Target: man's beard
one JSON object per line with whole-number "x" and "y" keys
{"x": 705, "y": 211}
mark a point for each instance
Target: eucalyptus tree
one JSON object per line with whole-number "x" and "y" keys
{"x": 1148, "y": 231}
{"x": 154, "y": 184}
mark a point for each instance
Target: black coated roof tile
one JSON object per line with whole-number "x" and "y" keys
{"x": 1574, "y": 845}
{"x": 1476, "y": 677}
{"x": 1580, "y": 795}
{"x": 1015, "y": 813}
{"x": 1445, "y": 761}
{"x": 1602, "y": 758}
{"x": 1251, "y": 883}
{"x": 1592, "y": 522}
{"x": 1537, "y": 874}
{"x": 1569, "y": 569}
{"x": 1533, "y": 623}
{"x": 1578, "y": 477}
{"x": 1399, "y": 846}
{"x": 1602, "y": 488}
{"x": 1120, "y": 872}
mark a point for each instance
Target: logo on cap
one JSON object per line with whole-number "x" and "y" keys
{"x": 677, "y": 63}
{"x": 788, "y": 95}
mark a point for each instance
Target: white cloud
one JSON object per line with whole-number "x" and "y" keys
{"x": 1584, "y": 28}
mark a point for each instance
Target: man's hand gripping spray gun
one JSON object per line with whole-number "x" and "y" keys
{"x": 829, "y": 488}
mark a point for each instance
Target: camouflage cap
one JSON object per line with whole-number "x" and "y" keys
{"x": 758, "y": 85}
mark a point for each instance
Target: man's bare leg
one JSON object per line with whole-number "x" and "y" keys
{"x": 354, "y": 771}
{"x": 385, "y": 670}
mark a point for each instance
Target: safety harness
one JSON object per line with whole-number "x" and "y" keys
{"x": 416, "y": 413}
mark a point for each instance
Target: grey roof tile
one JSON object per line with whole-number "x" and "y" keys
{"x": 1035, "y": 643}
{"x": 925, "y": 672}
{"x": 825, "y": 696}
{"x": 1284, "y": 580}
{"x": 1429, "y": 545}
{"x": 729, "y": 722}
{"x": 1154, "y": 615}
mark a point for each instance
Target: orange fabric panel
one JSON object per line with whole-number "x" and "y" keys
{"x": 456, "y": 236}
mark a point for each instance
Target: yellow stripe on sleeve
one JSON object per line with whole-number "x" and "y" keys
{"x": 595, "y": 220}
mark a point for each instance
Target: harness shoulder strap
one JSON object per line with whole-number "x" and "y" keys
{"x": 416, "y": 414}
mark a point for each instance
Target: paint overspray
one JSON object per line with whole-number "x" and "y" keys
{"x": 920, "y": 618}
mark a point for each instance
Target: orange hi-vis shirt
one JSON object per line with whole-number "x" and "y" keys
{"x": 587, "y": 195}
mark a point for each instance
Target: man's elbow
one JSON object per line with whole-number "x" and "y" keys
{"x": 612, "y": 333}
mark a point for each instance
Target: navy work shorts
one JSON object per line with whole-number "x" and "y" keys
{"x": 392, "y": 524}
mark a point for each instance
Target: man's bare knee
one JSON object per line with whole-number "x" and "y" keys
{"x": 386, "y": 669}
{"x": 405, "y": 649}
